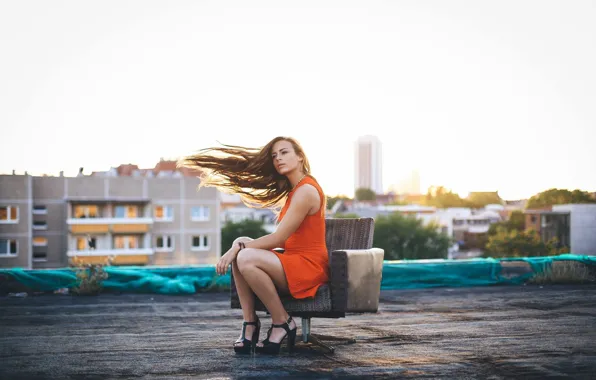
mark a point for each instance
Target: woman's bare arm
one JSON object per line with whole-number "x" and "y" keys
{"x": 304, "y": 200}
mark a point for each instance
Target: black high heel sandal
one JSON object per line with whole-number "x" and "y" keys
{"x": 273, "y": 348}
{"x": 248, "y": 345}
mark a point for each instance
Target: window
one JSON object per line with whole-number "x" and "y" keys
{"x": 40, "y": 225}
{"x": 9, "y": 214}
{"x": 126, "y": 211}
{"x": 199, "y": 213}
{"x": 86, "y": 211}
{"x": 39, "y": 210}
{"x": 39, "y": 257}
{"x": 126, "y": 242}
{"x": 9, "y": 247}
{"x": 87, "y": 243}
{"x": 533, "y": 219}
{"x": 163, "y": 213}
{"x": 40, "y": 241}
{"x": 164, "y": 243}
{"x": 200, "y": 243}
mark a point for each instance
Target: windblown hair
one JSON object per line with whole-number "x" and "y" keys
{"x": 248, "y": 172}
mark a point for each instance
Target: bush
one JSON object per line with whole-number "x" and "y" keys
{"x": 346, "y": 216}
{"x": 405, "y": 237}
{"x": 231, "y": 231}
{"x": 565, "y": 272}
{"x": 90, "y": 277}
{"x": 514, "y": 243}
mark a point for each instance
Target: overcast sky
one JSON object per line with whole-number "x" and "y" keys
{"x": 476, "y": 95}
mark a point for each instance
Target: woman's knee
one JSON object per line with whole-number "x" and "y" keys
{"x": 246, "y": 258}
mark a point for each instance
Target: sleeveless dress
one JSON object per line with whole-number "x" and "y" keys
{"x": 305, "y": 260}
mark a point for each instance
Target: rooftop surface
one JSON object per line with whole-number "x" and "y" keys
{"x": 504, "y": 332}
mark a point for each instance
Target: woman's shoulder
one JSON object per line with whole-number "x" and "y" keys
{"x": 311, "y": 184}
{"x": 309, "y": 191}
{"x": 313, "y": 181}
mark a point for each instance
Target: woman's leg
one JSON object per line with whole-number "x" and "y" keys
{"x": 245, "y": 295}
{"x": 263, "y": 272}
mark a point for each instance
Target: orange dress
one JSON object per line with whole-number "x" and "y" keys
{"x": 305, "y": 260}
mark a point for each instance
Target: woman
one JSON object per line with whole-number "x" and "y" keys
{"x": 273, "y": 176}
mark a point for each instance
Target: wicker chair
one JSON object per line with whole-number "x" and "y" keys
{"x": 354, "y": 282}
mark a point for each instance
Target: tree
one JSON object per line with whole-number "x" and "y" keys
{"x": 559, "y": 196}
{"x": 364, "y": 194}
{"x": 441, "y": 197}
{"x": 514, "y": 243}
{"x": 517, "y": 222}
{"x": 405, "y": 237}
{"x": 346, "y": 216}
{"x": 332, "y": 200}
{"x": 479, "y": 199}
{"x": 230, "y": 231}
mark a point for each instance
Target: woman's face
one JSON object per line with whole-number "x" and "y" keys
{"x": 285, "y": 158}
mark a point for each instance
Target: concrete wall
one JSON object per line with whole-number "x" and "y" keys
{"x": 49, "y": 192}
{"x": 15, "y": 191}
{"x": 126, "y": 187}
{"x": 181, "y": 195}
{"x": 87, "y": 187}
{"x": 582, "y": 227}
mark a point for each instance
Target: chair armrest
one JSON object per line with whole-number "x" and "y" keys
{"x": 355, "y": 279}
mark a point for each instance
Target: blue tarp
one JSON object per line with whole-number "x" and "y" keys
{"x": 406, "y": 274}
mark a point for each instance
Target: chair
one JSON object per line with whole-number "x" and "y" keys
{"x": 354, "y": 279}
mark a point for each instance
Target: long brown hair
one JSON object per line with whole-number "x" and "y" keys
{"x": 248, "y": 172}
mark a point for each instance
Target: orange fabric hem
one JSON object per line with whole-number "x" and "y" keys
{"x": 296, "y": 293}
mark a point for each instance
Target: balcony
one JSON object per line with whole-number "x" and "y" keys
{"x": 105, "y": 225}
{"x": 127, "y": 256}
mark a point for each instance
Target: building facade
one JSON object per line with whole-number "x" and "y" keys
{"x": 573, "y": 225}
{"x": 368, "y": 164}
{"x": 47, "y": 222}
{"x": 580, "y": 224}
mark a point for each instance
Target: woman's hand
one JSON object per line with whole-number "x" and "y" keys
{"x": 224, "y": 262}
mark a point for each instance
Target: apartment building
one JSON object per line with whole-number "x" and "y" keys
{"x": 573, "y": 225}
{"x": 368, "y": 160}
{"x": 146, "y": 219}
{"x": 471, "y": 231}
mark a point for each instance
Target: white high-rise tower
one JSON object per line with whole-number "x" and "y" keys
{"x": 368, "y": 164}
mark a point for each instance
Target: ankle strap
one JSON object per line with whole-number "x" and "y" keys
{"x": 255, "y": 323}
{"x": 286, "y": 323}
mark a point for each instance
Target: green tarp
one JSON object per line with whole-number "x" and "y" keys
{"x": 187, "y": 280}
{"x": 410, "y": 274}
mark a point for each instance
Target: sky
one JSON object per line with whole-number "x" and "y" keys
{"x": 475, "y": 95}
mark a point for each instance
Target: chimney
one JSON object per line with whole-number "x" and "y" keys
{"x": 61, "y": 173}
{"x": 26, "y": 172}
{"x": 14, "y": 172}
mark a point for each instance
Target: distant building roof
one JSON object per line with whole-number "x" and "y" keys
{"x": 537, "y": 210}
{"x": 162, "y": 169}
{"x": 126, "y": 169}
{"x": 408, "y": 208}
{"x": 472, "y": 193}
